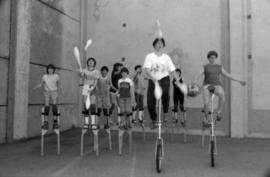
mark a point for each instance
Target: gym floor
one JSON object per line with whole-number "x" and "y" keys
{"x": 236, "y": 157}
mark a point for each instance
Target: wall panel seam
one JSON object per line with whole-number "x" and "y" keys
{"x": 62, "y": 12}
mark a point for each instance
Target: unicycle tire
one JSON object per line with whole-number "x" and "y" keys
{"x": 159, "y": 158}
{"x": 212, "y": 153}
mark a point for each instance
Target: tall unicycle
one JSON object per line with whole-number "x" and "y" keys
{"x": 212, "y": 153}
{"x": 212, "y": 143}
{"x": 159, "y": 142}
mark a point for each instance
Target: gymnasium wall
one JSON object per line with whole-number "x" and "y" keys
{"x": 54, "y": 33}
{"x": 258, "y": 70}
{"x": 4, "y": 61}
{"x": 125, "y": 29}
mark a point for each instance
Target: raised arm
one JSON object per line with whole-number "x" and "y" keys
{"x": 229, "y": 76}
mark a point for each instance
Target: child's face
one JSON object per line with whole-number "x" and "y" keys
{"x": 91, "y": 63}
{"x": 159, "y": 46}
{"x": 139, "y": 70}
{"x": 212, "y": 59}
{"x": 124, "y": 74}
{"x": 50, "y": 71}
{"x": 118, "y": 68}
{"x": 104, "y": 73}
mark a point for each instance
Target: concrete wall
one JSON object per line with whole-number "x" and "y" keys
{"x": 43, "y": 32}
{"x": 259, "y": 95}
{"x": 4, "y": 61}
{"x": 125, "y": 28}
{"x": 249, "y": 27}
{"x": 190, "y": 27}
{"x": 54, "y": 32}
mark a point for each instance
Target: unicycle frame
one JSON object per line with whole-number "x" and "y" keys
{"x": 159, "y": 141}
{"x": 212, "y": 138}
{"x": 212, "y": 130}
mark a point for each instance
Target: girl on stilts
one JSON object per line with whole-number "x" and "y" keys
{"x": 50, "y": 81}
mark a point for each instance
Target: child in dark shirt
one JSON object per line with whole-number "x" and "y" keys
{"x": 178, "y": 97}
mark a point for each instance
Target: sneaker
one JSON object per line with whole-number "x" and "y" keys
{"x": 45, "y": 125}
{"x": 55, "y": 125}
{"x": 219, "y": 116}
{"x": 106, "y": 126}
{"x": 153, "y": 125}
{"x": 183, "y": 123}
{"x": 121, "y": 127}
{"x": 140, "y": 121}
{"x": 110, "y": 121}
{"x": 174, "y": 120}
{"x": 133, "y": 121}
{"x": 206, "y": 124}
{"x": 165, "y": 118}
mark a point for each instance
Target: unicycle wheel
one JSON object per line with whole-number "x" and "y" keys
{"x": 212, "y": 153}
{"x": 159, "y": 158}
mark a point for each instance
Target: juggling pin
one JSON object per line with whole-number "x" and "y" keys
{"x": 88, "y": 102}
{"x": 159, "y": 32}
{"x": 158, "y": 90}
{"x": 183, "y": 87}
{"x": 88, "y": 43}
{"x": 77, "y": 56}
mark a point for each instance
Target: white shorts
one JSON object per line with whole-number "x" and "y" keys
{"x": 50, "y": 94}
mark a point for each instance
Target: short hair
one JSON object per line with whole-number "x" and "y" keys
{"x": 157, "y": 40}
{"x": 137, "y": 66}
{"x": 104, "y": 68}
{"x": 212, "y": 53}
{"x": 115, "y": 65}
{"x": 124, "y": 70}
{"x": 89, "y": 59}
{"x": 178, "y": 70}
{"x": 50, "y": 66}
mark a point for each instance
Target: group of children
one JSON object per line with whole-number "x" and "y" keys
{"x": 127, "y": 94}
{"x": 106, "y": 93}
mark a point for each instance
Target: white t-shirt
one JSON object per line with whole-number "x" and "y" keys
{"x": 90, "y": 76}
{"x": 50, "y": 81}
{"x": 160, "y": 66}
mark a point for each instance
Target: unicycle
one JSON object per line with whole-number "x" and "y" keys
{"x": 159, "y": 142}
{"x": 212, "y": 141}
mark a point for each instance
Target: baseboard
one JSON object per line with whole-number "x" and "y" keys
{"x": 258, "y": 135}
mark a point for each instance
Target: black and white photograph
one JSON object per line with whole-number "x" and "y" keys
{"x": 134, "y": 88}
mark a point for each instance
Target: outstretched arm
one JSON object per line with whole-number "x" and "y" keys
{"x": 38, "y": 85}
{"x": 198, "y": 77}
{"x": 228, "y": 75}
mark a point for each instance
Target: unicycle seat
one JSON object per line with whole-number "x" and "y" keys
{"x": 211, "y": 88}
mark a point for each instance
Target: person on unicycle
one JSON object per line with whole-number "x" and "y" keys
{"x": 158, "y": 67}
{"x": 212, "y": 77}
